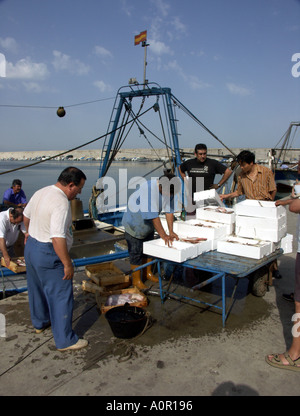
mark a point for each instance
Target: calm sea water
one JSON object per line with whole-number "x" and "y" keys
{"x": 46, "y": 173}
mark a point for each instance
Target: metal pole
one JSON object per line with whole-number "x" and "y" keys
{"x": 144, "y": 45}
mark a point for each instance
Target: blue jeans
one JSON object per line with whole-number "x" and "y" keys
{"x": 50, "y": 297}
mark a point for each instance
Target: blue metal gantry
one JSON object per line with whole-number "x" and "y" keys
{"x": 121, "y": 103}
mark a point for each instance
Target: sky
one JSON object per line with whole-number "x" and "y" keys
{"x": 235, "y": 64}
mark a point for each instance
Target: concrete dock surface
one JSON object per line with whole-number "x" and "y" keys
{"x": 185, "y": 352}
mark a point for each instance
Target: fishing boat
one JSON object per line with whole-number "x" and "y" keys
{"x": 132, "y": 107}
{"x": 97, "y": 232}
{"x": 286, "y": 171}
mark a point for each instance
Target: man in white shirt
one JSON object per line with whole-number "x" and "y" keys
{"x": 11, "y": 223}
{"x": 48, "y": 219}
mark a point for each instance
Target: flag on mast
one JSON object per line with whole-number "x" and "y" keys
{"x": 142, "y": 37}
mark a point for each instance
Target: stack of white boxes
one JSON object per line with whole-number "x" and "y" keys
{"x": 183, "y": 250}
{"x": 259, "y": 228}
{"x": 253, "y": 229}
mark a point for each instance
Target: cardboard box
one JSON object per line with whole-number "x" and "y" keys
{"x": 209, "y": 197}
{"x": 245, "y": 247}
{"x": 269, "y": 229}
{"x": 179, "y": 252}
{"x": 262, "y": 209}
{"x": 216, "y": 214}
{"x": 14, "y": 265}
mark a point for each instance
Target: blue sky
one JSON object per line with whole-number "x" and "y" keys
{"x": 228, "y": 61}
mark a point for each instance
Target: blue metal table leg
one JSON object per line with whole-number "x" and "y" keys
{"x": 160, "y": 282}
{"x": 223, "y": 300}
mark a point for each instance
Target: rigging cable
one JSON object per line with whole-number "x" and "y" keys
{"x": 182, "y": 107}
{"x": 74, "y": 148}
{"x": 143, "y": 134}
{"x": 119, "y": 143}
{"x": 52, "y": 107}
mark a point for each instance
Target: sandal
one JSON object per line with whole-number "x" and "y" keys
{"x": 275, "y": 361}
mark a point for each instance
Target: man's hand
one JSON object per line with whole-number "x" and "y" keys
{"x": 60, "y": 248}
{"x": 69, "y": 272}
{"x": 7, "y": 260}
{"x": 174, "y": 236}
{"x": 168, "y": 239}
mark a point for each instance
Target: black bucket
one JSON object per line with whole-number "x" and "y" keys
{"x": 126, "y": 321}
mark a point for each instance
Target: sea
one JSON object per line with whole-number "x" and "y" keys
{"x": 46, "y": 173}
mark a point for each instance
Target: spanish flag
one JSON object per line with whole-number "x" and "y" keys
{"x": 140, "y": 38}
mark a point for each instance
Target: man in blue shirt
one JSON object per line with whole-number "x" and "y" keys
{"x": 15, "y": 196}
{"x": 141, "y": 219}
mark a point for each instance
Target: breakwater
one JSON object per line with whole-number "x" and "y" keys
{"x": 136, "y": 154}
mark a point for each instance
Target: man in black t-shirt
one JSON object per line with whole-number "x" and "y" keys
{"x": 203, "y": 167}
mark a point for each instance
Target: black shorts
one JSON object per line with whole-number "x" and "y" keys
{"x": 135, "y": 248}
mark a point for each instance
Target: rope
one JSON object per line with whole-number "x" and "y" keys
{"x": 74, "y": 148}
{"x": 51, "y": 107}
{"x": 165, "y": 140}
{"x": 143, "y": 134}
{"x": 180, "y": 105}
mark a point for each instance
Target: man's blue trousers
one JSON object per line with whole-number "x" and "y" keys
{"x": 50, "y": 297}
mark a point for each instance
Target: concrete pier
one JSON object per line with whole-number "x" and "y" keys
{"x": 260, "y": 153}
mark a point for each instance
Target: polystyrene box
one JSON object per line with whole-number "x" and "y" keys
{"x": 286, "y": 243}
{"x": 179, "y": 252}
{"x": 262, "y": 209}
{"x": 203, "y": 246}
{"x": 217, "y": 214}
{"x": 270, "y": 229}
{"x": 245, "y": 247}
{"x": 211, "y": 197}
{"x": 201, "y": 228}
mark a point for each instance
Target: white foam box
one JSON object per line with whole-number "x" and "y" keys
{"x": 201, "y": 228}
{"x": 213, "y": 213}
{"x": 245, "y": 247}
{"x": 203, "y": 246}
{"x": 211, "y": 196}
{"x": 206, "y": 246}
{"x": 286, "y": 243}
{"x": 270, "y": 229}
{"x": 179, "y": 252}
{"x": 261, "y": 209}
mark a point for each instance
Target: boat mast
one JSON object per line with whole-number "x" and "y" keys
{"x": 144, "y": 45}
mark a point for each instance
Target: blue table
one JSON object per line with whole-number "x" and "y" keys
{"x": 221, "y": 266}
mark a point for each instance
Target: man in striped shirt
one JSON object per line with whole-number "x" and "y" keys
{"x": 255, "y": 181}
